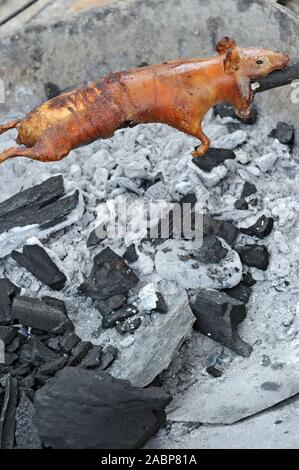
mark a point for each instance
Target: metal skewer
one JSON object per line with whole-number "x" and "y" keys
{"x": 278, "y": 78}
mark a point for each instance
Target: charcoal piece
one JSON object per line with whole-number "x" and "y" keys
{"x": 240, "y": 292}
{"x": 58, "y": 303}
{"x": 51, "y": 90}
{"x": 110, "y": 276}
{"x": 7, "y": 291}
{"x": 107, "y": 306}
{"x": 211, "y": 250}
{"x": 93, "y": 238}
{"x": 161, "y": 305}
{"x": 22, "y": 371}
{"x": 92, "y": 359}
{"x": 49, "y": 369}
{"x": 120, "y": 315}
{"x": 34, "y": 352}
{"x": 130, "y": 255}
{"x": 37, "y": 205}
{"x": 220, "y": 228}
{"x": 68, "y": 341}
{"x": 241, "y": 204}
{"x": 8, "y": 414}
{"x": 79, "y": 353}
{"x": 58, "y": 211}
{"x": 27, "y": 384}
{"x": 247, "y": 279}
{"x": 26, "y": 432}
{"x": 284, "y": 132}
{"x": 261, "y": 229}
{"x": 41, "y": 315}
{"x": 14, "y": 345}
{"x": 7, "y": 334}
{"x": 128, "y": 326}
{"x": 109, "y": 355}
{"x": 256, "y": 256}
{"x": 217, "y": 316}
{"x": 212, "y": 158}
{"x": 37, "y": 261}
{"x": 227, "y": 110}
{"x": 97, "y": 411}
{"x": 248, "y": 189}
{"x": 214, "y": 372}
{"x": 10, "y": 358}
{"x": 53, "y": 343}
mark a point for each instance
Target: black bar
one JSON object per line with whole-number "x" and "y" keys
{"x": 278, "y": 78}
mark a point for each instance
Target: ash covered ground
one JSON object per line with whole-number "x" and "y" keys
{"x": 153, "y": 162}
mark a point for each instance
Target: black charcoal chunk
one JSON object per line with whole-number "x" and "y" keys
{"x": 53, "y": 343}
{"x": 94, "y": 239}
{"x": 97, "y": 411}
{"x": 211, "y": 250}
{"x": 26, "y": 432}
{"x": 8, "y": 414}
{"x": 92, "y": 359}
{"x": 261, "y": 229}
{"x": 68, "y": 341}
{"x": 284, "y": 132}
{"x": 10, "y": 358}
{"x": 7, "y": 292}
{"x": 212, "y": 158}
{"x": 248, "y": 189}
{"x": 130, "y": 255}
{"x": 37, "y": 261}
{"x": 247, "y": 279}
{"x": 22, "y": 371}
{"x": 241, "y": 204}
{"x": 107, "y": 306}
{"x": 220, "y": 228}
{"x": 79, "y": 353}
{"x": 240, "y": 292}
{"x": 51, "y": 90}
{"x": 34, "y": 352}
{"x": 109, "y": 355}
{"x": 14, "y": 345}
{"x": 41, "y": 314}
{"x": 110, "y": 276}
{"x": 227, "y": 110}
{"x": 256, "y": 256}
{"x": 39, "y": 205}
{"x": 214, "y": 372}
{"x": 7, "y": 334}
{"x": 128, "y": 326}
{"x": 49, "y": 369}
{"x": 217, "y": 316}
{"x": 161, "y": 305}
{"x": 120, "y": 315}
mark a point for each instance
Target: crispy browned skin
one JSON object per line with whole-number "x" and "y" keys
{"x": 178, "y": 93}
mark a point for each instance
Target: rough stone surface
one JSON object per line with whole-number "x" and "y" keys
{"x": 227, "y": 402}
{"x": 155, "y": 347}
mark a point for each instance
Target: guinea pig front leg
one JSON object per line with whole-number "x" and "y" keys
{"x": 243, "y": 100}
{"x": 205, "y": 142}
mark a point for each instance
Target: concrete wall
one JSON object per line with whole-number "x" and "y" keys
{"x": 92, "y": 43}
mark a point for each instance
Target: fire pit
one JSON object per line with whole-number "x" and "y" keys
{"x": 214, "y": 325}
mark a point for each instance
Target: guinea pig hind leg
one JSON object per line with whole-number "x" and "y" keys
{"x": 34, "y": 153}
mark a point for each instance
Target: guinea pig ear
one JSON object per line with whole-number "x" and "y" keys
{"x": 231, "y": 61}
{"x": 225, "y": 44}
